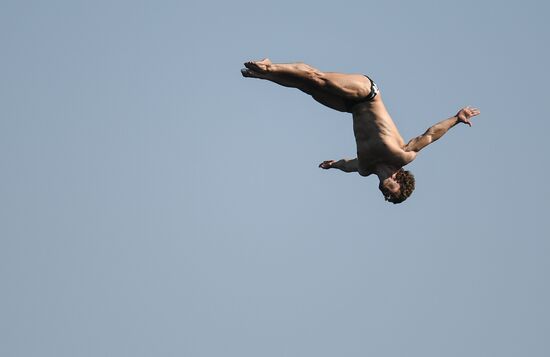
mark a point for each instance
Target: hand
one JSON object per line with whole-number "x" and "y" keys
{"x": 326, "y": 164}
{"x": 465, "y": 114}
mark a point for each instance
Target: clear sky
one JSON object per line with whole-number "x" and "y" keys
{"x": 155, "y": 203}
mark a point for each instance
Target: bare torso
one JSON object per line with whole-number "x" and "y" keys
{"x": 377, "y": 138}
{"x": 381, "y": 149}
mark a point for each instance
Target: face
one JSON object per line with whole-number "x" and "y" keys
{"x": 389, "y": 187}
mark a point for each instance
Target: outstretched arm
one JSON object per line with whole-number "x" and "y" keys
{"x": 439, "y": 129}
{"x": 346, "y": 165}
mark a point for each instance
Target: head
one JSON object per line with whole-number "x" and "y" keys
{"x": 398, "y": 187}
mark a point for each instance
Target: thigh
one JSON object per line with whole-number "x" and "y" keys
{"x": 321, "y": 95}
{"x": 347, "y": 86}
{"x": 330, "y": 100}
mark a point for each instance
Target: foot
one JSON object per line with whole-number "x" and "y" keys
{"x": 250, "y": 73}
{"x": 258, "y": 66}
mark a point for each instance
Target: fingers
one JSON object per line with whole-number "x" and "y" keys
{"x": 466, "y": 113}
{"x": 470, "y": 112}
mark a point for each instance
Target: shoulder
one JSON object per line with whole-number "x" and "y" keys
{"x": 405, "y": 156}
{"x": 399, "y": 155}
{"x": 365, "y": 170}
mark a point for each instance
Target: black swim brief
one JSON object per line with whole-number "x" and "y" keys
{"x": 373, "y": 92}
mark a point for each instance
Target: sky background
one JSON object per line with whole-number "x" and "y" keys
{"x": 155, "y": 203}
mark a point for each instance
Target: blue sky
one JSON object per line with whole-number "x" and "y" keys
{"x": 154, "y": 202}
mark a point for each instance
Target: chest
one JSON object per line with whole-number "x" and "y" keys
{"x": 370, "y": 153}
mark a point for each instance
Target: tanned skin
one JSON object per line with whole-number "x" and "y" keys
{"x": 381, "y": 149}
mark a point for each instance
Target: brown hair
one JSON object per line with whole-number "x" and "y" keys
{"x": 406, "y": 183}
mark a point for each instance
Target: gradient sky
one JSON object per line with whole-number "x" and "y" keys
{"x": 155, "y": 203}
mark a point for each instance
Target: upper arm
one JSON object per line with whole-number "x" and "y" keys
{"x": 350, "y": 165}
{"x": 346, "y": 165}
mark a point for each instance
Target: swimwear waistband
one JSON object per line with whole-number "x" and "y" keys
{"x": 373, "y": 91}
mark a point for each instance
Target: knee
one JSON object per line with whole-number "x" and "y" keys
{"x": 316, "y": 76}
{"x": 319, "y": 79}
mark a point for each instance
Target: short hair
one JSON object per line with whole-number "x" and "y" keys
{"x": 406, "y": 183}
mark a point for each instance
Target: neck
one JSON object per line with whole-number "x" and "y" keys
{"x": 384, "y": 171}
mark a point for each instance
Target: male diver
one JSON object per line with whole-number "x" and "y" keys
{"x": 380, "y": 148}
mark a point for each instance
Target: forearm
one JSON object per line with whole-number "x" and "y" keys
{"x": 439, "y": 129}
{"x": 432, "y": 134}
{"x": 346, "y": 165}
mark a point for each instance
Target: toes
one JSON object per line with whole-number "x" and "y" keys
{"x": 256, "y": 66}
{"x": 250, "y": 73}
{"x": 250, "y": 65}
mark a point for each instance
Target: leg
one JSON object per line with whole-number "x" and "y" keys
{"x": 284, "y": 80}
{"x": 301, "y": 75}
{"x": 330, "y": 100}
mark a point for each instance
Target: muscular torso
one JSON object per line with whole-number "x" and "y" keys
{"x": 378, "y": 140}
